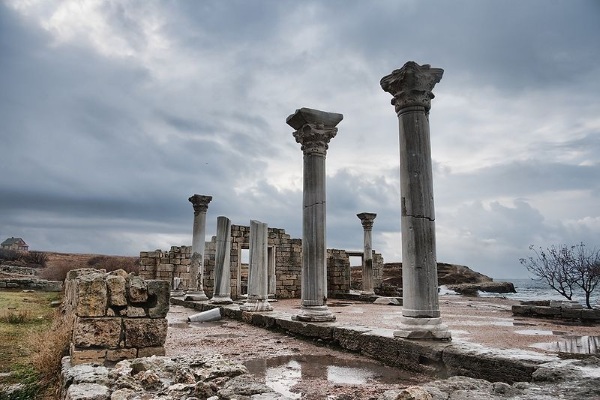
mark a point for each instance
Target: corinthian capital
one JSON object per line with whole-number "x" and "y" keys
{"x": 200, "y": 203}
{"x": 367, "y": 219}
{"x": 314, "y": 129}
{"x": 411, "y": 85}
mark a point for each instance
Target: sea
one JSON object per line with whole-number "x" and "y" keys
{"x": 529, "y": 289}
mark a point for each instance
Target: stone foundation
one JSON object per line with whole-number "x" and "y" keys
{"x": 115, "y": 316}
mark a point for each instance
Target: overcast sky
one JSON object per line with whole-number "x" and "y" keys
{"x": 113, "y": 113}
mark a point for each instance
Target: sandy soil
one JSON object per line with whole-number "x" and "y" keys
{"x": 304, "y": 367}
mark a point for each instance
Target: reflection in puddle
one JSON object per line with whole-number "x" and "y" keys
{"x": 534, "y": 332}
{"x": 573, "y": 344}
{"x": 283, "y": 373}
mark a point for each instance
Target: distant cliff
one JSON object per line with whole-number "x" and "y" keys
{"x": 459, "y": 278}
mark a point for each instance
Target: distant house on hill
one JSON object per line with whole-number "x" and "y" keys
{"x": 14, "y": 243}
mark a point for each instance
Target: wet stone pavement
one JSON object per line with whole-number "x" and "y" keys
{"x": 311, "y": 370}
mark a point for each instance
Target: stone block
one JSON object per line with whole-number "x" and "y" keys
{"x": 158, "y": 298}
{"x": 572, "y": 313}
{"x": 96, "y": 332}
{"x": 91, "y": 295}
{"x": 82, "y": 356}
{"x": 590, "y": 315}
{"x": 135, "y": 312}
{"x": 115, "y": 285}
{"x": 151, "y": 351}
{"x": 519, "y": 309}
{"x": 145, "y": 332}
{"x": 546, "y": 311}
{"x": 136, "y": 289}
{"x": 115, "y": 355}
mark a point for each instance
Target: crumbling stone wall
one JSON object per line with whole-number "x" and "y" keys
{"x": 167, "y": 265}
{"x": 287, "y": 257}
{"x": 115, "y": 315}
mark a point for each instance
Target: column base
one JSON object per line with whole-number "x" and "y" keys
{"x": 314, "y": 314}
{"x": 422, "y": 328}
{"x": 221, "y": 300}
{"x": 256, "y": 306}
{"x": 367, "y": 293}
{"x": 195, "y": 295}
{"x": 177, "y": 293}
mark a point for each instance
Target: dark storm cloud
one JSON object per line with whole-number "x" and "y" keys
{"x": 113, "y": 117}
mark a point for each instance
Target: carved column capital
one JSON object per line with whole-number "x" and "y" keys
{"x": 200, "y": 203}
{"x": 314, "y": 129}
{"x": 411, "y": 85}
{"x": 367, "y": 219}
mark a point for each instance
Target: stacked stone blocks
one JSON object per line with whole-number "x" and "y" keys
{"x": 115, "y": 315}
{"x": 167, "y": 265}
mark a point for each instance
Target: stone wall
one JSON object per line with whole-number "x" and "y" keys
{"x": 115, "y": 316}
{"x": 31, "y": 284}
{"x": 167, "y": 265}
{"x": 284, "y": 254}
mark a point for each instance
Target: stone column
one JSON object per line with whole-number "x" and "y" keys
{"x": 366, "y": 220}
{"x": 257, "y": 274}
{"x": 222, "y": 289}
{"x": 196, "y": 290}
{"x": 411, "y": 88}
{"x": 314, "y": 130}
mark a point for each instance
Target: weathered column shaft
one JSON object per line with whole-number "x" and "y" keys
{"x": 419, "y": 263}
{"x": 366, "y": 220}
{"x": 222, "y": 289}
{"x": 196, "y": 289}
{"x": 411, "y": 88}
{"x": 314, "y": 251}
{"x": 314, "y": 130}
{"x": 258, "y": 274}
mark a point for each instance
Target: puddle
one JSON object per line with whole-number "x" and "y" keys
{"x": 339, "y": 304}
{"x": 283, "y": 373}
{"x": 534, "y": 332}
{"x": 573, "y": 344}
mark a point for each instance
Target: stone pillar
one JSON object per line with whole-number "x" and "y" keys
{"x": 257, "y": 273}
{"x": 411, "y": 88}
{"x": 222, "y": 289}
{"x": 366, "y": 220}
{"x": 196, "y": 289}
{"x": 314, "y": 130}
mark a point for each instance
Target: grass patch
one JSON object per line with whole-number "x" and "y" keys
{"x": 30, "y": 330}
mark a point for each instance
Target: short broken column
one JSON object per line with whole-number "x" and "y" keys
{"x": 411, "y": 88}
{"x": 366, "y": 220}
{"x": 222, "y": 289}
{"x": 314, "y": 130}
{"x": 257, "y": 274}
{"x": 196, "y": 289}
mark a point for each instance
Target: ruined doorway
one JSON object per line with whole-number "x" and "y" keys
{"x": 356, "y": 262}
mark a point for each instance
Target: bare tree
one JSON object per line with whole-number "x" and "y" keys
{"x": 565, "y": 268}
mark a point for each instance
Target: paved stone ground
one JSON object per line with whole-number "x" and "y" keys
{"x": 485, "y": 321}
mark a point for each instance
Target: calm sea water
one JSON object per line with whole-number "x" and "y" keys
{"x": 528, "y": 289}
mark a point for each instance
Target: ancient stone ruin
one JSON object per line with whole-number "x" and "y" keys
{"x": 284, "y": 262}
{"x": 115, "y": 316}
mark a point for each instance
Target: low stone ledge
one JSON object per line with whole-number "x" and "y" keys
{"x": 542, "y": 309}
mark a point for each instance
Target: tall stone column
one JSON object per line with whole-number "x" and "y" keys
{"x": 222, "y": 289}
{"x": 366, "y": 220}
{"x": 314, "y": 130}
{"x": 257, "y": 275}
{"x": 196, "y": 289}
{"x": 411, "y": 88}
